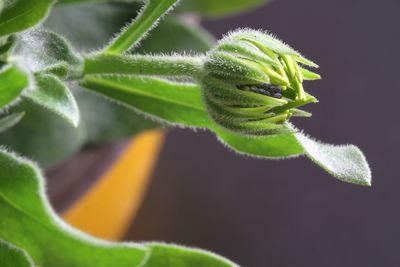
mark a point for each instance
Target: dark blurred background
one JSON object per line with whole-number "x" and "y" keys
{"x": 290, "y": 212}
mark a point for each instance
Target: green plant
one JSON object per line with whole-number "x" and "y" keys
{"x": 245, "y": 90}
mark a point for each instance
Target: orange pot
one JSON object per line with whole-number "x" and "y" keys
{"x": 110, "y": 205}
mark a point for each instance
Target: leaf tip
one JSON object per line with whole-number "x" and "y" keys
{"x": 345, "y": 162}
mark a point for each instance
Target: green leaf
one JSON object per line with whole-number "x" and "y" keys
{"x": 176, "y": 103}
{"x": 215, "y": 9}
{"x": 345, "y": 162}
{"x": 42, "y": 135}
{"x": 18, "y": 15}
{"x": 46, "y": 51}
{"x": 146, "y": 20}
{"x": 13, "y": 81}
{"x": 270, "y": 146}
{"x": 12, "y": 256}
{"x": 10, "y": 120}
{"x": 52, "y": 93}
{"x": 29, "y": 222}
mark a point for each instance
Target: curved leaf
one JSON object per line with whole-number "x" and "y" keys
{"x": 12, "y": 82}
{"x": 18, "y": 15}
{"x": 345, "y": 162}
{"x": 52, "y": 93}
{"x": 49, "y": 242}
{"x": 176, "y": 103}
{"x": 47, "y": 51}
{"x": 10, "y": 120}
{"x": 12, "y": 256}
{"x": 273, "y": 147}
{"x": 29, "y": 222}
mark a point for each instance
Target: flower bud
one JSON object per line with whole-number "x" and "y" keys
{"x": 254, "y": 83}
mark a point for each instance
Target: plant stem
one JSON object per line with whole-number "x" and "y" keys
{"x": 190, "y": 66}
{"x": 145, "y": 21}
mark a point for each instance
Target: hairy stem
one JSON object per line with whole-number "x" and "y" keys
{"x": 145, "y": 21}
{"x": 190, "y": 66}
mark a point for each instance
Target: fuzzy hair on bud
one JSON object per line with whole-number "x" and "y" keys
{"x": 254, "y": 83}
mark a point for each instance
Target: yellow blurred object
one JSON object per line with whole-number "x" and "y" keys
{"x": 108, "y": 208}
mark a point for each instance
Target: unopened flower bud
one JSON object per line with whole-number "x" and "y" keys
{"x": 254, "y": 83}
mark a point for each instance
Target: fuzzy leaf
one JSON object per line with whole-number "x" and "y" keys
{"x": 18, "y": 15}
{"x": 10, "y": 120}
{"x": 345, "y": 162}
{"x": 28, "y": 221}
{"x": 176, "y": 103}
{"x": 47, "y": 51}
{"x": 269, "y": 146}
{"x": 12, "y": 82}
{"x": 12, "y": 256}
{"x": 52, "y": 93}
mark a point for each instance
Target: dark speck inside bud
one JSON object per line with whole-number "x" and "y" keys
{"x": 265, "y": 89}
